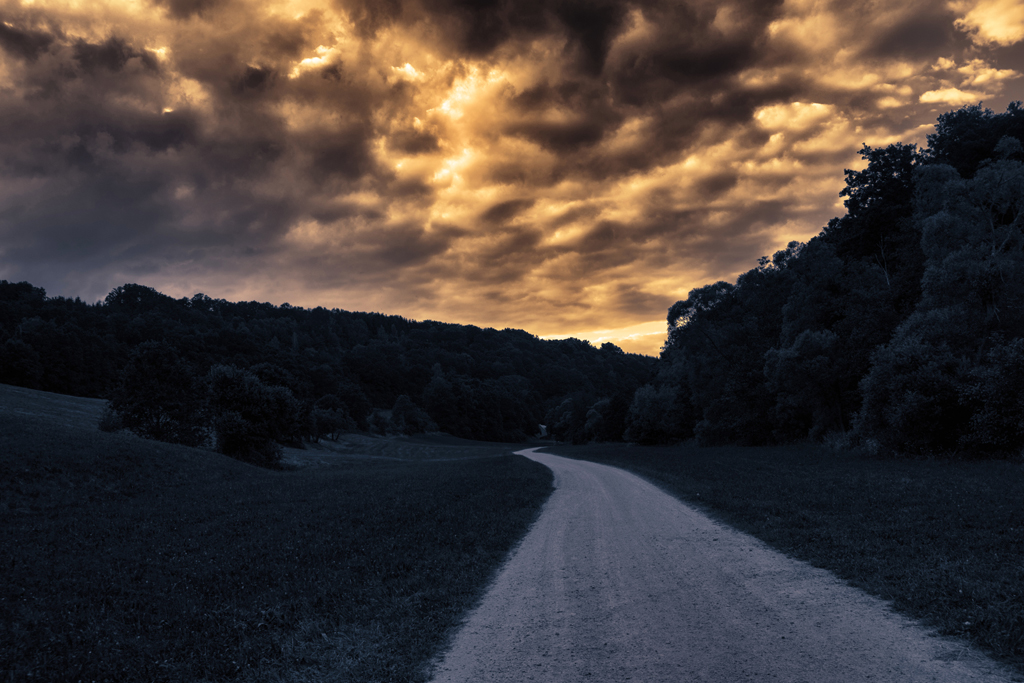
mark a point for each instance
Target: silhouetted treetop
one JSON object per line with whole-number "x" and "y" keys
{"x": 896, "y": 327}
{"x": 501, "y": 383}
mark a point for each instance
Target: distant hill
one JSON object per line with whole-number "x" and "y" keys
{"x": 497, "y": 385}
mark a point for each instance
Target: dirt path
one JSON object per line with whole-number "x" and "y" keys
{"x": 618, "y": 581}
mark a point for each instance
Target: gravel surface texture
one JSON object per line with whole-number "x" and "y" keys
{"x": 618, "y": 581}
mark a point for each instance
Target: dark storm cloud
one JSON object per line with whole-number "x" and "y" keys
{"x": 344, "y": 155}
{"x": 587, "y": 115}
{"x": 917, "y": 37}
{"x": 112, "y": 54}
{"x": 26, "y": 44}
{"x": 374, "y": 257}
{"x": 402, "y": 246}
{"x": 414, "y": 142}
{"x": 603, "y": 237}
{"x": 184, "y": 9}
{"x": 506, "y": 255}
{"x": 507, "y": 210}
{"x": 476, "y": 28}
{"x": 100, "y": 160}
{"x": 65, "y": 123}
{"x": 680, "y": 72}
{"x": 591, "y": 25}
{"x": 579, "y": 213}
{"x": 561, "y": 137}
{"x": 255, "y": 78}
{"x": 627, "y": 298}
{"x": 685, "y": 48}
{"x": 717, "y": 184}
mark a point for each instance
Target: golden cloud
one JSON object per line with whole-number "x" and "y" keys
{"x": 952, "y": 96}
{"x": 991, "y": 22}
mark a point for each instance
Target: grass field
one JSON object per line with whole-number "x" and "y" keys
{"x": 944, "y": 541}
{"x": 132, "y": 560}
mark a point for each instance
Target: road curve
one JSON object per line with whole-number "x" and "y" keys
{"x": 618, "y": 581}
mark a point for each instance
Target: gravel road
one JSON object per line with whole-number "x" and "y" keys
{"x": 618, "y": 581}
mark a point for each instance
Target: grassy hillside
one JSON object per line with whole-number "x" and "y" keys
{"x": 944, "y": 541}
{"x": 132, "y": 560}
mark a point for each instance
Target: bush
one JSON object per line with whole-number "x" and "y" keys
{"x": 331, "y": 419}
{"x": 250, "y": 417}
{"x": 992, "y": 391}
{"x": 379, "y": 421}
{"x": 911, "y": 399}
{"x": 654, "y": 417}
{"x": 241, "y": 439}
{"x": 110, "y": 421}
{"x": 567, "y": 420}
{"x": 409, "y": 418}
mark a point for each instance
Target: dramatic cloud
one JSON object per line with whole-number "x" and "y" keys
{"x": 999, "y": 22}
{"x": 563, "y": 166}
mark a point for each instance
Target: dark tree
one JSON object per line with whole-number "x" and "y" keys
{"x": 655, "y": 417}
{"x": 409, "y": 418}
{"x": 878, "y": 227}
{"x": 924, "y": 391}
{"x": 967, "y": 137}
{"x": 330, "y": 418}
{"x": 160, "y": 397}
{"x": 251, "y": 418}
{"x": 836, "y": 314}
{"x": 718, "y": 338}
{"x": 501, "y": 381}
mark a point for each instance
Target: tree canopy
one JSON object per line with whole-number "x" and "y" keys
{"x": 341, "y": 368}
{"x": 899, "y": 326}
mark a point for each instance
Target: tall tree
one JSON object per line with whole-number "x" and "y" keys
{"x": 160, "y": 397}
{"x": 719, "y": 337}
{"x": 922, "y": 394}
{"x": 878, "y": 226}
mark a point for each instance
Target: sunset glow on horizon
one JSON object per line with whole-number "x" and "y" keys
{"x": 569, "y": 168}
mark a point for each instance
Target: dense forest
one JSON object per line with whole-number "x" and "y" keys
{"x": 899, "y": 328}
{"x": 197, "y": 369}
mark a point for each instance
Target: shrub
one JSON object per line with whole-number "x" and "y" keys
{"x": 241, "y": 439}
{"x": 330, "y": 418}
{"x": 654, "y": 417}
{"x": 250, "y": 417}
{"x": 379, "y": 421}
{"x": 409, "y": 418}
{"x": 911, "y": 399}
{"x": 992, "y": 390}
{"x": 110, "y": 421}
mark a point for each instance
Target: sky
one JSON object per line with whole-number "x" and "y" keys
{"x": 567, "y": 167}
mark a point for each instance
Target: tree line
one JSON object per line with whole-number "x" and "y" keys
{"x": 899, "y": 328}
{"x": 246, "y": 376}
